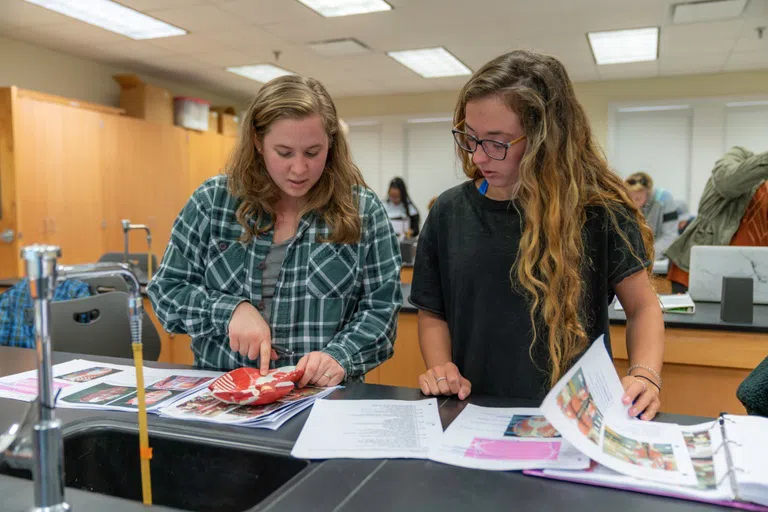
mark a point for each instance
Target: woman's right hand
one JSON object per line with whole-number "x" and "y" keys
{"x": 444, "y": 379}
{"x": 249, "y": 335}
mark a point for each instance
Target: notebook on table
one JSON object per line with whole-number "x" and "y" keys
{"x": 730, "y": 458}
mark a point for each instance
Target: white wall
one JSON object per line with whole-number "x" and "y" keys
{"x": 677, "y": 146}
{"x": 41, "y": 69}
{"x": 678, "y": 141}
{"x": 420, "y": 152}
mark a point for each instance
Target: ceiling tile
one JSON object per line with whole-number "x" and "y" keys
{"x": 262, "y": 12}
{"x": 149, "y": 5}
{"x": 189, "y": 43}
{"x": 693, "y": 39}
{"x": 748, "y": 60}
{"x": 692, "y": 64}
{"x": 223, "y": 58}
{"x": 198, "y": 18}
{"x": 23, "y": 14}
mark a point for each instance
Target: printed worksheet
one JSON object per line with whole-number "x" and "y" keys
{"x": 585, "y": 407}
{"x": 505, "y": 439}
{"x": 369, "y": 429}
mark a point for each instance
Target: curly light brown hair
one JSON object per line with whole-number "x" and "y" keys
{"x": 562, "y": 172}
{"x": 333, "y": 197}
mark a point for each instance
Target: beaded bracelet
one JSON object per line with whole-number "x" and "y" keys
{"x": 646, "y": 368}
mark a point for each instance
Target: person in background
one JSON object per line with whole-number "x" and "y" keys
{"x": 17, "y": 310}
{"x": 733, "y": 210}
{"x": 516, "y": 268}
{"x": 289, "y": 250}
{"x": 658, "y": 207}
{"x": 400, "y": 207}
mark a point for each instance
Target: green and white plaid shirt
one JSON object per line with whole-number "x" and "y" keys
{"x": 337, "y": 298}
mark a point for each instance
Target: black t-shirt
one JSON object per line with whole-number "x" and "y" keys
{"x": 462, "y": 272}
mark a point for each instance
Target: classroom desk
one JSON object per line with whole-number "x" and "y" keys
{"x": 343, "y": 485}
{"x": 705, "y": 359}
{"x": 704, "y": 362}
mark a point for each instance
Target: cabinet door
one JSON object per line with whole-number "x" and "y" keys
{"x": 9, "y": 248}
{"x": 36, "y": 142}
{"x": 75, "y": 201}
{"x": 145, "y": 181}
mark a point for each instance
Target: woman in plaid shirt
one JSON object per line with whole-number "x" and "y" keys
{"x": 287, "y": 258}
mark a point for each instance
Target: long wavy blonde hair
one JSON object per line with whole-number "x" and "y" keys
{"x": 333, "y": 197}
{"x": 562, "y": 172}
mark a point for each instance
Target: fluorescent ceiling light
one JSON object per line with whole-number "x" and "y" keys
{"x": 421, "y": 120}
{"x": 620, "y": 46}
{"x": 334, "y": 8}
{"x": 698, "y": 12}
{"x": 431, "y": 62}
{"x": 654, "y": 108}
{"x": 259, "y": 72}
{"x": 113, "y": 17}
{"x": 756, "y": 103}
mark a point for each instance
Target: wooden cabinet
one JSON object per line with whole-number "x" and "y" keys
{"x": 72, "y": 171}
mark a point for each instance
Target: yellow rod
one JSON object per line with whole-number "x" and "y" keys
{"x": 145, "y": 452}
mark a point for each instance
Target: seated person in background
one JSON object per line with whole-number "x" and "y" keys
{"x": 400, "y": 207}
{"x": 17, "y": 310}
{"x": 733, "y": 211}
{"x": 658, "y": 207}
{"x": 289, "y": 248}
{"x": 516, "y": 268}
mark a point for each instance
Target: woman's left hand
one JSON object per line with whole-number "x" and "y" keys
{"x": 320, "y": 369}
{"x": 644, "y": 395}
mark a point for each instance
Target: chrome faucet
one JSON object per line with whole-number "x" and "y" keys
{"x": 128, "y": 227}
{"x": 45, "y": 453}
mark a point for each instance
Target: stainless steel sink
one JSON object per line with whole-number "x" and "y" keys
{"x": 191, "y": 469}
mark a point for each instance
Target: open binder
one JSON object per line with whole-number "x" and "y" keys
{"x": 730, "y": 458}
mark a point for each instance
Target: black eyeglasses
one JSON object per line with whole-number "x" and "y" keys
{"x": 493, "y": 148}
{"x": 635, "y": 181}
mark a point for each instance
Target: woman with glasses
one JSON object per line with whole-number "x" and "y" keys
{"x": 516, "y": 268}
{"x": 658, "y": 207}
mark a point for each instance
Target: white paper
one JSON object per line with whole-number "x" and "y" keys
{"x": 585, "y": 407}
{"x": 748, "y": 445}
{"x": 369, "y": 429}
{"x": 505, "y": 439}
{"x": 68, "y": 376}
{"x": 709, "y": 465}
{"x": 670, "y": 303}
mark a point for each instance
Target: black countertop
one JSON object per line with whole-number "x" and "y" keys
{"x": 342, "y": 485}
{"x": 707, "y": 316}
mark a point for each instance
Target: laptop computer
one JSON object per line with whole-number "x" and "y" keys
{"x": 709, "y": 264}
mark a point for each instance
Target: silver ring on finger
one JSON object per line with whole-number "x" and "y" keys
{"x": 328, "y": 375}
{"x": 441, "y": 378}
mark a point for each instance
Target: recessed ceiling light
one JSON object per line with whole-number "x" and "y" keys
{"x": 697, "y": 12}
{"x": 334, "y": 8}
{"x": 620, "y": 46}
{"x": 431, "y": 62}
{"x": 113, "y": 17}
{"x": 654, "y": 108}
{"x": 339, "y": 47}
{"x": 259, "y": 72}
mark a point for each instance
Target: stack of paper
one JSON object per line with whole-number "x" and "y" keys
{"x": 202, "y": 406}
{"x": 181, "y": 394}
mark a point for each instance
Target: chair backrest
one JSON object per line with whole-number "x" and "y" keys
{"x": 105, "y": 284}
{"x": 98, "y": 325}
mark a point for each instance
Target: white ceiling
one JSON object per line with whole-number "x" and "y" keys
{"x": 238, "y": 32}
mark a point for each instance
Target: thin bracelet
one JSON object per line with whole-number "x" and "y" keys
{"x": 646, "y": 378}
{"x": 646, "y": 368}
